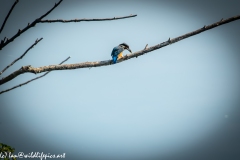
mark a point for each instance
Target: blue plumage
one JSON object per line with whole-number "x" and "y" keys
{"x": 118, "y": 50}
{"x": 115, "y": 52}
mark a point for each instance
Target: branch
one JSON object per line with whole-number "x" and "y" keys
{"x": 36, "y": 42}
{"x": 39, "y": 20}
{"x": 30, "y": 69}
{"x": 84, "y": 19}
{"x": 5, "y": 20}
{"x": 145, "y": 46}
{"x": 31, "y": 79}
{"x": 4, "y": 43}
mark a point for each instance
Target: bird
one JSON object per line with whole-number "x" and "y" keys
{"x": 117, "y": 52}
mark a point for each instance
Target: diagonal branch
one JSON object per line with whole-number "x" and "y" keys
{"x": 36, "y": 42}
{"x": 20, "y": 85}
{"x": 56, "y": 4}
{"x": 30, "y": 69}
{"x": 10, "y": 11}
{"x": 84, "y": 19}
{"x": 4, "y": 43}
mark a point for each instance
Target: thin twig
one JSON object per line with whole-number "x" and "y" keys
{"x": 56, "y": 4}
{"x": 84, "y": 19}
{"x": 29, "y": 69}
{"x": 10, "y": 11}
{"x": 35, "y": 43}
{"x": 31, "y": 79}
{"x": 39, "y": 20}
{"x": 30, "y": 25}
{"x": 65, "y": 60}
{"x": 145, "y": 47}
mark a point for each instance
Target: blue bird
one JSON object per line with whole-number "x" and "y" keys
{"x": 117, "y": 52}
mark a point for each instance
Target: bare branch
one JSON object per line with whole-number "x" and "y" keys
{"x": 84, "y": 19}
{"x": 145, "y": 47}
{"x": 65, "y": 60}
{"x": 39, "y": 20}
{"x": 56, "y": 4}
{"x": 30, "y": 69}
{"x": 36, "y": 42}
{"x": 30, "y": 25}
{"x": 20, "y": 85}
{"x": 10, "y": 11}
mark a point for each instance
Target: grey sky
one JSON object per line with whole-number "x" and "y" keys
{"x": 169, "y": 104}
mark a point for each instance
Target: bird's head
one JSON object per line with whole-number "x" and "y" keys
{"x": 125, "y": 46}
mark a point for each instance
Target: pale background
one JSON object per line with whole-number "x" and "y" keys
{"x": 179, "y": 102}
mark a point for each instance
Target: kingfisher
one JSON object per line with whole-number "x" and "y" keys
{"x": 118, "y": 50}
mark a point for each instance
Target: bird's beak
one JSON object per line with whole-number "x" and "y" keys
{"x": 129, "y": 50}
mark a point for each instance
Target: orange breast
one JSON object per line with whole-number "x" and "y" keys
{"x": 120, "y": 55}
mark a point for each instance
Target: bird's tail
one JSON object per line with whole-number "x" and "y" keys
{"x": 114, "y": 59}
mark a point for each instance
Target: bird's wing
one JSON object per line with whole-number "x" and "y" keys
{"x": 116, "y": 51}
